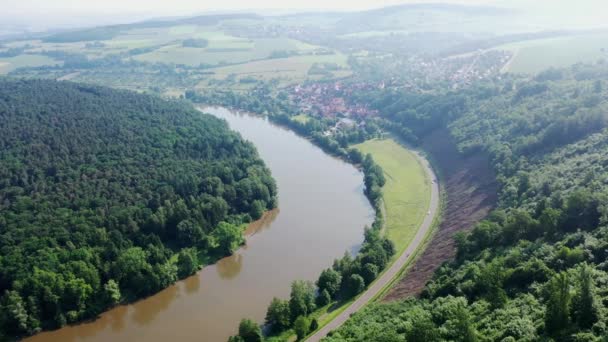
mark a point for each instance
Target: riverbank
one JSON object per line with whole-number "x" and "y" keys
{"x": 391, "y": 155}
{"x": 407, "y": 196}
{"x": 407, "y": 204}
{"x": 411, "y": 206}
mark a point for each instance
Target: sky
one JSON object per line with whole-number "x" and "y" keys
{"x": 42, "y": 14}
{"x": 188, "y": 6}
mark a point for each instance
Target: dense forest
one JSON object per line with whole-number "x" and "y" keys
{"x": 536, "y": 268}
{"x": 107, "y": 196}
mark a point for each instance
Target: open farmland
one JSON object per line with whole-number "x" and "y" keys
{"x": 536, "y": 55}
{"x": 11, "y": 63}
{"x": 368, "y": 34}
{"x": 285, "y": 70}
{"x": 166, "y": 44}
{"x": 91, "y": 50}
{"x": 38, "y": 47}
{"x": 224, "y": 49}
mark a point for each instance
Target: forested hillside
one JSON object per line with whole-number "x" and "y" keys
{"x": 537, "y": 268}
{"x": 107, "y": 196}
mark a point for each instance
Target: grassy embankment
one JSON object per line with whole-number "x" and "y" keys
{"x": 406, "y": 192}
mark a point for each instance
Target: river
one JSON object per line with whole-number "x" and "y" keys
{"x": 321, "y": 214}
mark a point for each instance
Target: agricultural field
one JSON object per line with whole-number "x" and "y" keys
{"x": 175, "y": 34}
{"x": 371, "y": 34}
{"x": 406, "y": 192}
{"x": 195, "y": 46}
{"x": 166, "y": 44}
{"x": 286, "y": 70}
{"x": 11, "y": 63}
{"x": 536, "y": 55}
{"x": 101, "y": 49}
{"x": 224, "y": 49}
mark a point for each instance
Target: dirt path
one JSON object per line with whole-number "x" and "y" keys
{"x": 68, "y": 76}
{"x": 394, "y": 269}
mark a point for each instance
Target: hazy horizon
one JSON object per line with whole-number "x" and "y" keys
{"x": 39, "y": 15}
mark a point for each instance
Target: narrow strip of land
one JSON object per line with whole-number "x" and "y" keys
{"x": 469, "y": 194}
{"x": 396, "y": 267}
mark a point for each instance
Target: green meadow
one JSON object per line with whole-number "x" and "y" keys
{"x": 406, "y": 192}
{"x": 537, "y": 55}
{"x": 11, "y": 63}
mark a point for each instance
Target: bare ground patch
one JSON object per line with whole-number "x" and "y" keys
{"x": 471, "y": 193}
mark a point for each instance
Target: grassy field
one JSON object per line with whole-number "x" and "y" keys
{"x": 536, "y": 55}
{"x": 301, "y": 118}
{"x": 286, "y": 70}
{"x": 407, "y": 190}
{"x": 370, "y": 34}
{"x": 183, "y": 30}
{"x": 9, "y": 64}
{"x": 167, "y": 46}
{"x": 224, "y": 49}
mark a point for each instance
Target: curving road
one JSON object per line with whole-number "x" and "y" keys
{"x": 394, "y": 269}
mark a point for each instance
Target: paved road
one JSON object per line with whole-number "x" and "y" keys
{"x": 392, "y": 272}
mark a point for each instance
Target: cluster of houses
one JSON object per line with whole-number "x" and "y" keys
{"x": 332, "y": 99}
{"x": 415, "y": 73}
{"x": 459, "y": 71}
{"x": 328, "y": 99}
{"x": 480, "y": 65}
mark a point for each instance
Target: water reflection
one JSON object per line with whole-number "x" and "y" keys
{"x": 229, "y": 267}
{"x": 263, "y": 223}
{"x": 148, "y": 309}
{"x": 192, "y": 284}
{"x": 117, "y": 319}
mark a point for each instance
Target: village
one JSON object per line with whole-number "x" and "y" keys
{"x": 329, "y": 99}
{"x": 334, "y": 99}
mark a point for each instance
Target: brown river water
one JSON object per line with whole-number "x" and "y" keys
{"x": 322, "y": 212}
